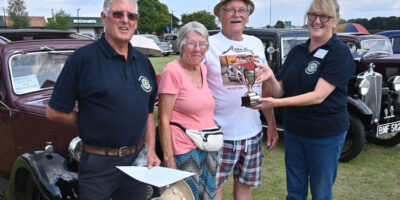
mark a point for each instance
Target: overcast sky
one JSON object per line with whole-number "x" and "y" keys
{"x": 284, "y": 10}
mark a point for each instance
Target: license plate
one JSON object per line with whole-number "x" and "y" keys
{"x": 384, "y": 129}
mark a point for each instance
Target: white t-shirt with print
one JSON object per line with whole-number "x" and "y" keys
{"x": 222, "y": 57}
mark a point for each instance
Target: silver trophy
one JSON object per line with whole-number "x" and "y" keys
{"x": 248, "y": 77}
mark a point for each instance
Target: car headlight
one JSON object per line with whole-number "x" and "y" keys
{"x": 75, "y": 148}
{"x": 396, "y": 83}
{"x": 363, "y": 87}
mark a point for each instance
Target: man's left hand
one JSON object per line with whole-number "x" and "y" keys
{"x": 272, "y": 139}
{"x": 152, "y": 159}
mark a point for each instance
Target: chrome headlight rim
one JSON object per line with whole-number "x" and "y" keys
{"x": 396, "y": 83}
{"x": 363, "y": 86}
{"x": 75, "y": 148}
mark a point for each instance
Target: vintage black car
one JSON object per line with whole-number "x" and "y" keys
{"x": 377, "y": 76}
{"x": 373, "y": 103}
{"x": 39, "y": 157}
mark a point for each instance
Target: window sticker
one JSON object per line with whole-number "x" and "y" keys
{"x": 25, "y": 84}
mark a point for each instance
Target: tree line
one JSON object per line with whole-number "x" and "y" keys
{"x": 155, "y": 18}
{"x": 378, "y": 23}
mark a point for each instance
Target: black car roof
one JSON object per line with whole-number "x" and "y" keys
{"x": 9, "y": 35}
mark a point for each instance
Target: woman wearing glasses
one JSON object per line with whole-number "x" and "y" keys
{"x": 312, "y": 85}
{"x": 185, "y": 99}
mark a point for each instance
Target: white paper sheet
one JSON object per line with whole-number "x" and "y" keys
{"x": 157, "y": 176}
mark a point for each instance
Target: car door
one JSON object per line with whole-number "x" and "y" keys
{"x": 8, "y": 151}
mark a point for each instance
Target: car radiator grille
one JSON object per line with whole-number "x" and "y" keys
{"x": 373, "y": 98}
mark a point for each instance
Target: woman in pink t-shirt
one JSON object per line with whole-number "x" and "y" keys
{"x": 184, "y": 98}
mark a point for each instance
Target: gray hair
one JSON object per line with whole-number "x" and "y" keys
{"x": 107, "y": 6}
{"x": 185, "y": 30}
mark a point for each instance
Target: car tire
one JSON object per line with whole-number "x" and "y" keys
{"x": 32, "y": 192}
{"x": 390, "y": 141}
{"x": 355, "y": 139}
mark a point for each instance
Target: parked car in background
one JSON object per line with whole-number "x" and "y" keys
{"x": 394, "y": 36}
{"x": 39, "y": 157}
{"x": 161, "y": 38}
{"x": 373, "y": 103}
{"x": 377, "y": 76}
{"x": 164, "y": 46}
{"x": 172, "y": 40}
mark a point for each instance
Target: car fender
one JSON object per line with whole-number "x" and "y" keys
{"x": 49, "y": 172}
{"x": 359, "y": 108}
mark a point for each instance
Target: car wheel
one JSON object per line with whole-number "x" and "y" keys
{"x": 388, "y": 140}
{"x": 32, "y": 192}
{"x": 355, "y": 139}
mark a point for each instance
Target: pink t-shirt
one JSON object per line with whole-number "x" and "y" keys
{"x": 194, "y": 107}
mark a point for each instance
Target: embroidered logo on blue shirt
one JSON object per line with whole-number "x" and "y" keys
{"x": 145, "y": 83}
{"x": 312, "y": 67}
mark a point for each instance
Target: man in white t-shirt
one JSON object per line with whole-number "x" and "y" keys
{"x": 228, "y": 53}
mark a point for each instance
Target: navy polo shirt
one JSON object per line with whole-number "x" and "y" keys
{"x": 300, "y": 73}
{"x": 115, "y": 96}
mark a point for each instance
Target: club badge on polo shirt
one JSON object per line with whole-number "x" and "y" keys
{"x": 145, "y": 84}
{"x": 312, "y": 67}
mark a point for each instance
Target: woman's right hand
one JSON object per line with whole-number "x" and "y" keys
{"x": 267, "y": 102}
{"x": 263, "y": 73}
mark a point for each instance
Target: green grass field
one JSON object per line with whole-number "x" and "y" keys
{"x": 373, "y": 175}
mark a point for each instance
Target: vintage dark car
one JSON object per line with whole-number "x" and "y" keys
{"x": 377, "y": 76}
{"x": 372, "y": 104}
{"x": 33, "y": 150}
{"x": 394, "y": 36}
{"x": 39, "y": 157}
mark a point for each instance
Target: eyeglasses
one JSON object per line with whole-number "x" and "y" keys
{"x": 119, "y": 15}
{"x": 322, "y": 18}
{"x": 231, "y": 12}
{"x": 193, "y": 45}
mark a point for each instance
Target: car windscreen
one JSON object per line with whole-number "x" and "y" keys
{"x": 288, "y": 43}
{"x": 372, "y": 46}
{"x": 36, "y": 71}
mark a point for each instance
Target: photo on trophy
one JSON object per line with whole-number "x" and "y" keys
{"x": 233, "y": 68}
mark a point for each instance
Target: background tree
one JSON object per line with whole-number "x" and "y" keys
{"x": 60, "y": 21}
{"x": 342, "y": 21}
{"x": 18, "y": 15}
{"x": 204, "y": 17}
{"x": 279, "y": 24}
{"x": 154, "y": 17}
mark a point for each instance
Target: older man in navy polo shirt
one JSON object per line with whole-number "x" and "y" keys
{"x": 115, "y": 87}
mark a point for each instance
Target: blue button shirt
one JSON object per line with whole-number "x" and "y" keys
{"x": 114, "y": 95}
{"x": 300, "y": 73}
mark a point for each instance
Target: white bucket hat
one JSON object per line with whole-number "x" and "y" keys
{"x": 177, "y": 191}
